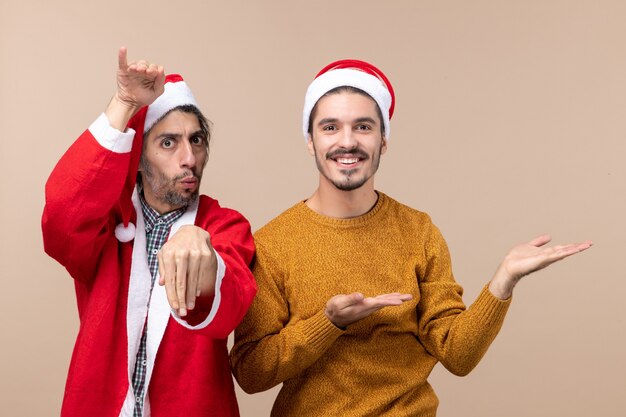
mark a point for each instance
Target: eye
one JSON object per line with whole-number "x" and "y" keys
{"x": 197, "y": 140}
{"x": 363, "y": 127}
{"x": 329, "y": 128}
{"x": 167, "y": 143}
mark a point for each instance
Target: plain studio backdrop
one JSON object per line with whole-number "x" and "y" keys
{"x": 510, "y": 122}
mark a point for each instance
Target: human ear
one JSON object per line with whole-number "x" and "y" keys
{"x": 310, "y": 145}
{"x": 383, "y": 146}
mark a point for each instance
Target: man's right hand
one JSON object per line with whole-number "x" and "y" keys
{"x": 138, "y": 84}
{"x": 345, "y": 309}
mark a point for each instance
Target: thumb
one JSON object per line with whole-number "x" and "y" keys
{"x": 159, "y": 81}
{"x": 355, "y": 297}
{"x": 540, "y": 240}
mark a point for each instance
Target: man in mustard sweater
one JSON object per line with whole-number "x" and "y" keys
{"x": 357, "y": 302}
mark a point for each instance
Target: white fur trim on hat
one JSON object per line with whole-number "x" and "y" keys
{"x": 351, "y": 78}
{"x": 175, "y": 94}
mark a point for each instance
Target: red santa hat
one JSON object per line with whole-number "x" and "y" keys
{"x": 176, "y": 93}
{"x": 351, "y": 73}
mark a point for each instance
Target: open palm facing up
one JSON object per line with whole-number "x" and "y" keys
{"x": 527, "y": 258}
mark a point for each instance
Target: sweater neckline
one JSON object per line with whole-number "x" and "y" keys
{"x": 351, "y": 222}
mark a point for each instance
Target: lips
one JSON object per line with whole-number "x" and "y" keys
{"x": 347, "y": 157}
{"x": 189, "y": 182}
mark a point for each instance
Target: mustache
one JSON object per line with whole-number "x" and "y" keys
{"x": 185, "y": 174}
{"x": 353, "y": 151}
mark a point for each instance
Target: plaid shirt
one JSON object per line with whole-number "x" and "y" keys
{"x": 157, "y": 230}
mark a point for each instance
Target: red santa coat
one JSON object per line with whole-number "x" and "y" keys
{"x": 188, "y": 372}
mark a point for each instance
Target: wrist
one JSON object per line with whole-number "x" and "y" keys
{"x": 119, "y": 112}
{"x": 502, "y": 284}
{"x": 334, "y": 323}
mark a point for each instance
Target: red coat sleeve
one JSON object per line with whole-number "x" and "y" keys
{"x": 231, "y": 238}
{"x": 81, "y": 193}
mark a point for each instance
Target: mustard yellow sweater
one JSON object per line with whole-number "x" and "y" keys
{"x": 379, "y": 365}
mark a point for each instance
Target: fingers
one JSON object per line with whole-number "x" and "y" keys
{"x": 395, "y": 295}
{"x": 143, "y": 67}
{"x": 148, "y": 78}
{"x": 173, "y": 271}
{"x": 381, "y": 300}
{"x": 540, "y": 240}
{"x": 205, "y": 271}
{"x": 161, "y": 264}
{"x": 530, "y": 257}
{"x": 584, "y": 245}
{"x": 188, "y": 267}
{"x": 160, "y": 79}
{"x": 181, "y": 283}
{"x": 344, "y": 301}
{"x": 393, "y": 298}
{"x": 167, "y": 264}
{"x": 193, "y": 272}
{"x": 139, "y": 83}
{"x": 557, "y": 253}
{"x": 563, "y": 251}
{"x": 343, "y": 310}
{"x": 122, "y": 61}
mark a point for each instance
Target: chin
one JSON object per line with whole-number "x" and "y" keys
{"x": 180, "y": 200}
{"x": 350, "y": 186}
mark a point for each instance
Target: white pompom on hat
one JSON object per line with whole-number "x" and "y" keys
{"x": 351, "y": 73}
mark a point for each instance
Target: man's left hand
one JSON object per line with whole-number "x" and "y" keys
{"x": 527, "y": 258}
{"x": 187, "y": 267}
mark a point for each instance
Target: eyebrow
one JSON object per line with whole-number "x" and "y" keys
{"x": 335, "y": 120}
{"x": 178, "y": 135}
{"x": 366, "y": 119}
{"x": 327, "y": 120}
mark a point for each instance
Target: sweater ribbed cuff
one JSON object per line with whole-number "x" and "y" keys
{"x": 490, "y": 307}
{"x": 321, "y": 332}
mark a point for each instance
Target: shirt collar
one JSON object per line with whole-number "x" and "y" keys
{"x": 152, "y": 217}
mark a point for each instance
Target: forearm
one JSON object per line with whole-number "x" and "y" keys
{"x": 463, "y": 341}
{"x": 120, "y": 112}
{"x": 261, "y": 362}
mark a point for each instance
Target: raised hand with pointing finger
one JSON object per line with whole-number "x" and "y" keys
{"x": 138, "y": 84}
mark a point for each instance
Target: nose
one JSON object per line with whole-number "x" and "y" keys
{"x": 187, "y": 156}
{"x": 347, "y": 139}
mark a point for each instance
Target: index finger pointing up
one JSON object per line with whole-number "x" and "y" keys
{"x": 122, "y": 61}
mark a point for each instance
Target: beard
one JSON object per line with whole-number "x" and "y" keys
{"x": 349, "y": 180}
{"x": 164, "y": 187}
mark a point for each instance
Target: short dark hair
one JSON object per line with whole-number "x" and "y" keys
{"x": 347, "y": 89}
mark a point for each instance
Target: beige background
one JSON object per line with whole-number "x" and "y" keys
{"x": 509, "y": 123}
